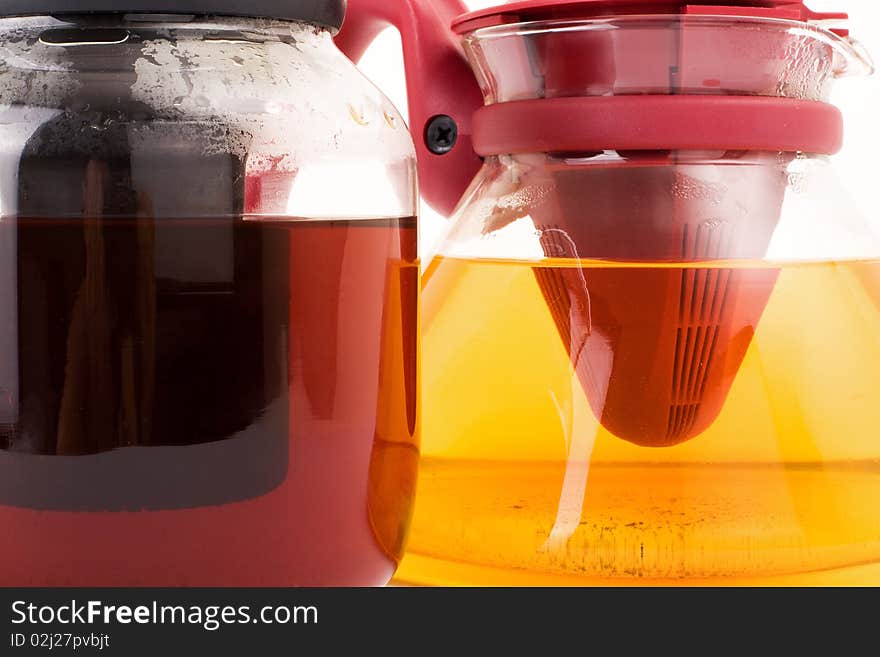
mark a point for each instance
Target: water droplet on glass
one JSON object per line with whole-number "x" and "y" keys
{"x": 358, "y": 116}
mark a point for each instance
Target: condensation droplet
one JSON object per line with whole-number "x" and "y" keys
{"x": 358, "y": 116}
{"x": 797, "y": 182}
{"x": 688, "y": 188}
{"x": 714, "y": 224}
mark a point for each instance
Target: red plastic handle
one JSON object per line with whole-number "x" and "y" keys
{"x": 439, "y": 83}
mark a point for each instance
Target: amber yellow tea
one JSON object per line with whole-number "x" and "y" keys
{"x": 528, "y": 477}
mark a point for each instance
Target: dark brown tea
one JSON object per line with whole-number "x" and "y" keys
{"x": 179, "y": 393}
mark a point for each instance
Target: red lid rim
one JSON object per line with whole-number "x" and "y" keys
{"x": 537, "y": 10}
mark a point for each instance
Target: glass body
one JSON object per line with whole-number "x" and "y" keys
{"x": 652, "y": 367}
{"x": 209, "y": 282}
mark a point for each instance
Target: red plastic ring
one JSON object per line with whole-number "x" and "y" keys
{"x": 730, "y": 123}
{"x": 541, "y": 10}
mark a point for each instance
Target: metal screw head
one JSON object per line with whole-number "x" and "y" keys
{"x": 441, "y": 134}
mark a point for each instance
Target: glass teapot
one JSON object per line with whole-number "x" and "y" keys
{"x": 209, "y": 279}
{"x": 650, "y": 336}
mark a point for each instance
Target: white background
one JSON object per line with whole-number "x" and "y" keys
{"x": 858, "y": 165}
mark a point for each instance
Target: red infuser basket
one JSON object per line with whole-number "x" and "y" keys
{"x": 660, "y": 135}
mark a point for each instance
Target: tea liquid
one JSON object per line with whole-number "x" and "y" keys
{"x": 523, "y": 482}
{"x": 178, "y": 394}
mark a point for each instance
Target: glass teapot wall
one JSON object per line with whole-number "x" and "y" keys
{"x": 651, "y": 365}
{"x": 209, "y": 283}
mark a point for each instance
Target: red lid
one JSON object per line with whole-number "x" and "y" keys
{"x": 537, "y": 10}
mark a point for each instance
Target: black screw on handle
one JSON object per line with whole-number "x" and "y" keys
{"x": 441, "y": 134}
